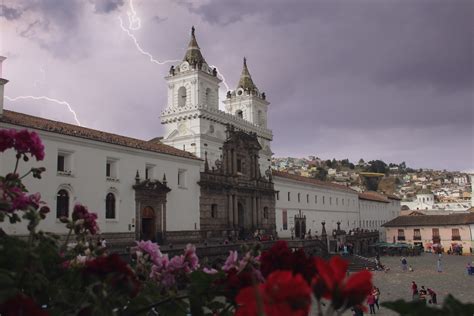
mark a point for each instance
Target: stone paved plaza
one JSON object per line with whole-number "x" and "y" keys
{"x": 396, "y": 284}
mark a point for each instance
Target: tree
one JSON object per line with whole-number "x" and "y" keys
{"x": 321, "y": 174}
{"x": 361, "y": 162}
{"x": 377, "y": 166}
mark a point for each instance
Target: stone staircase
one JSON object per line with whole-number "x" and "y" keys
{"x": 358, "y": 263}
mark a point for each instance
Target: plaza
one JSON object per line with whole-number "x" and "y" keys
{"x": 396, "y": 284}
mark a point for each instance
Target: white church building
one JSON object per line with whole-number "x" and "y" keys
{"x": 149, "y": 189}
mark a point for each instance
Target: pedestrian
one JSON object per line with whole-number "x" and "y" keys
{"x": 371, "y": 303}
{"x": 440, "y": 269}
{"x": 423, "y": 294}
{"x": 376, "y": 293}
{"x": 404, "y": 263}
{"x": 410, "y": 269}
{"x": 469, "y": 268}
{"x": 103, "y": 243}
{"x": 433, "y": 299}
{"x": 414, "y": 289}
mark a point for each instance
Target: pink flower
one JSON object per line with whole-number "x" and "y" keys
{"x": 81, "y": 212}
{"x": 190, "y": 257}
{"x": 210, "y": 271}
{"x": 231, "y": 261}
{"x": 152, "y": 249}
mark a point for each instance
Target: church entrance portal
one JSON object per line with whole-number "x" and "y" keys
{"x": 148, "y": 227}
{"x": 300, "y": 226}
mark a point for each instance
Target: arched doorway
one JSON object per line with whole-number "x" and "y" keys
{"x": 300, "y": 225}
{"x": 148, "y": 227}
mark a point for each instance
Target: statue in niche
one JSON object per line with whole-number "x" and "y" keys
{"x": 264, "y": 96}
{"x": 218, "y": 165}
{"x": 172, "y": 70}
{"x": 214, "y": 72}
{"x": 228, "y": 94}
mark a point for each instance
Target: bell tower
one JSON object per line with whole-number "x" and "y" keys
{"x": 251, "y": 105}
{"x": 192, "y": 82}
{"x": 246, "y": 101}
{"x": 193, "y": 91}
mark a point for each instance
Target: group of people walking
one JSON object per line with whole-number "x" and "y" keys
{"x": 422, "y": 294}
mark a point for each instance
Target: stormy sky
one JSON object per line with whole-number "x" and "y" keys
{"x": 372, "y": 79}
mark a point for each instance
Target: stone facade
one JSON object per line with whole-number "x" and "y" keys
{"x": 235, "y": 198}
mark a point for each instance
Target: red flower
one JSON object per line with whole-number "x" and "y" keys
{"x": 284, "y": 294}
{"x": 115, "y": 270}
{"x": 29, "y": 142}
{"x": 237, "y": 280}
{"x": 7, "y": 139}
{"x": 19, "y": 305}
{"x": 331, "y": 283}
{"x": 280, "y": 257}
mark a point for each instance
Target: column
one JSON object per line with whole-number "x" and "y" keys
{"x": 230, "y": 213}
{"x": 254, "y": 211}
{"x": 234, "y": 162}
{"x": 235, "y": 210}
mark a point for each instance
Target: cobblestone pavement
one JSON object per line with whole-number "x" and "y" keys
{"x": 396, "y": 284}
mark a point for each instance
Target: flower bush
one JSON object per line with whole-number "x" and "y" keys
{"x": 44, "y": 274}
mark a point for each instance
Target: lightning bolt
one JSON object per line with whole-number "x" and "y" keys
{"x": 24, "y": 97}
{"x": 134, "y": 24}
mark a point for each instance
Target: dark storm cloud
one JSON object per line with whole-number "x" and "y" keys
{"x": 107, "y": 6}
{"x": 9, "y": 13}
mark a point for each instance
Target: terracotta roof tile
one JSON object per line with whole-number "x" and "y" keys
{"x": 431, "y": 220}
{"x": 316, "y": 182}
{"x": 373, "y": 196}
{"x": 393, "y": 197}
{"x": 39, "y": 123}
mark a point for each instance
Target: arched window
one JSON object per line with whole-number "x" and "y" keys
{"x": 208, "y": 96}
{"x": 110, "y": 205}
{"x": 265, "y": 212}
{"x": 214, "y": 210}
{"x": 239, "y": 113}
{"x": 62, "y": 204}
{"x": 182, "y": 96}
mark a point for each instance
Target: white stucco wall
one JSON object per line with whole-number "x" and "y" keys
{"x": 331, "y": 211}
{"x": 88, "y": 183}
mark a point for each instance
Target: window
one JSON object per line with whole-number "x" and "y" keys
{"x": 64, "y": 163}
{"x": 330, "y": 200}
{"x": 265, "y": 212}
{"x": 277, "y": 195}
{"x": 416, "y": 234}
{"x": 208, "y": 96}
{"x": 455, "y": 232}
{"x": 436, "y": 238}
{"x": 324, "y": 198}
{"x": 401, "y": 234}
{"x": 214, "y": 210}
{"x": 316, "y": 199}
{"x": 284, "y": 214}
{"x": 149, "y": 172}
{"x": 181, "y": 178}
{"x": 289, "y": 196}
{"x": 61, "y": 162}
{"x": 181, "y": 96}
{"x": 110, "y": 206}
{"x": 337, "y": 201}
{"x": 299, "y": 195}
{"x": 111, "y": 169}
{"x": 342, "y": 201}
{"x": 239, "y": 113}
{"x": 307, "y": 198}
{"x": 62, "y": 204}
